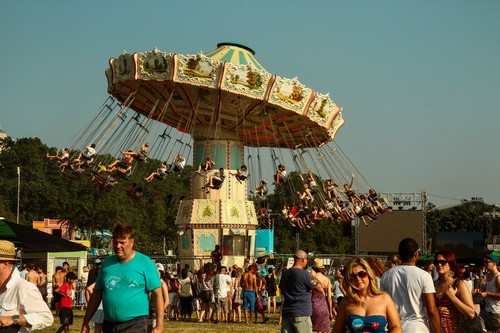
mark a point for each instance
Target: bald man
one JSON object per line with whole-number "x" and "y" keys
{"x": 296, "y": 285}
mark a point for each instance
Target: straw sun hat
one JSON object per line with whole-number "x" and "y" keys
{"x": 318, "y": 263}
{"x": 7, "y": 250}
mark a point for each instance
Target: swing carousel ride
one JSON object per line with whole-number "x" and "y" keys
{"x": 225, "y": 109}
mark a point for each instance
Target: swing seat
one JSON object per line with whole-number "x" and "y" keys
{"x": 176, "y": 168}
{"x": 125, "y": 173}
{"x": 100, "y": 179}
{"x": 141, "y": 156}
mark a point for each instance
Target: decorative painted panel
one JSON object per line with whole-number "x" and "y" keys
{"x": 234, "y": 212}
{"x": 185, "y": 243}
{"x": 204, "y": 241}
{"x": 290, "y": 94}
{"x": 245, "y": 80}
{"x": 322, "y": 110}
{"x": 197, "y": 70}
{"x": 207, "y": 211}
{"x": 154, "y": 65}
{"x": 123, "y": 67}
{"x": 336, "y": 124}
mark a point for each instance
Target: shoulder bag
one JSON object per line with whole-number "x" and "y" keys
{"x": 473, "y": 325}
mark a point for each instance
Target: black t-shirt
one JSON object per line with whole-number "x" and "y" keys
{"x": 216, "y": 256}
{"x": 270, "y": 283}
{"x": 92, "y": 277}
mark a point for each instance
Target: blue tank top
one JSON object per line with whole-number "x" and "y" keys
{"x": 356, "y": 323}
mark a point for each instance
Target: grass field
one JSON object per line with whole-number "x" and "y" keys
{"x": 187, "y": 327}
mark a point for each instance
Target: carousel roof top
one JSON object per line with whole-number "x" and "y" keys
{"x": 235, "y": 53}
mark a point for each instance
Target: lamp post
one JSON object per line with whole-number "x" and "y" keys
{"x": 18, "y": 191}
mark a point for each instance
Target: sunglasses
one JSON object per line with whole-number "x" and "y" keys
{"x": 440, "y": 262}
{"x": 360, "y": 274}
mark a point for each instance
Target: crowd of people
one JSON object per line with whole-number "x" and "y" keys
{"x": 67, "y": 289}
{"x": 367, "y": 295}
{"x": 218, "y": 294}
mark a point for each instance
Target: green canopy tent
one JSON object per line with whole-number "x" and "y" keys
{"x": 426, "y": 257}
{"x": 31, "y": 240}
{"x": 43, "y": 248}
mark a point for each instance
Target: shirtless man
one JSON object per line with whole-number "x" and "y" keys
{"x": 250, "y": 291}
{"x": 32, "y": 275}
{"x": 57, "y": 280}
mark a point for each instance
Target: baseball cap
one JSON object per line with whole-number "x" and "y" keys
{"x": 97, "y": 262}
{"x": 160, "y": 266}
{"x": 493, "y": 258}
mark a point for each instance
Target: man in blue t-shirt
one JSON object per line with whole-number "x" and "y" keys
{"x": 126, "y": 278}
{"x": 296, "y": 285}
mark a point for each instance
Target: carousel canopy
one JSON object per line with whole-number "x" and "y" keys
{"x": 224, "y": 94}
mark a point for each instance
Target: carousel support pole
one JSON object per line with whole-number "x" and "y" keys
{"x": 18, "y": 192}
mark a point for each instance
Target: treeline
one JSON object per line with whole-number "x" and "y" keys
{"x": 46, "y": 193}
{"x": 83, "y": 204}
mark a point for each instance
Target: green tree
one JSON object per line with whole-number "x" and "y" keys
{"x": 469, "y": 216}
{"x": 82, "y": 204}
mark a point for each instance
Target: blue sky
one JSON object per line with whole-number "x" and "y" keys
{"x": 419, "y": 81}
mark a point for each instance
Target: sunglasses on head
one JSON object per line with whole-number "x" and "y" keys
{"x": 360, "y": 274}
{"x": 442, "y": 262}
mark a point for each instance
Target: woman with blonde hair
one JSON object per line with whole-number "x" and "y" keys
{"x": 365, "y": 308}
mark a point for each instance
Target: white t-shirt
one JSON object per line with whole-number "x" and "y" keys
{"x": 406, "y": 285}
{"x": 89, "y": 152}
{"x": 180, "y": 163}
{"x": 223, "y": 287}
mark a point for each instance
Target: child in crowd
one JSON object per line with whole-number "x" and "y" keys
{"x": 66, "y": 302}
{"x": 264, "y": 296}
